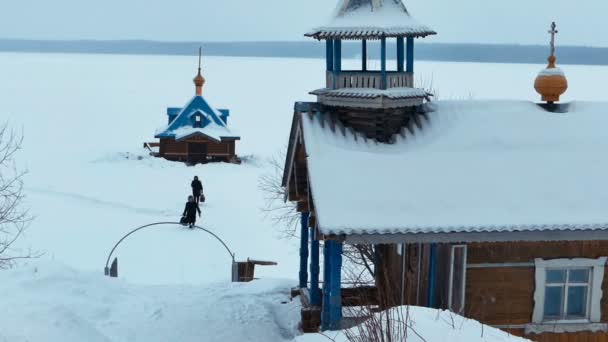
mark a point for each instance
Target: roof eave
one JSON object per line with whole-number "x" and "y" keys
{"x": 372, "y": 33}
{"x": 468, "y": 237}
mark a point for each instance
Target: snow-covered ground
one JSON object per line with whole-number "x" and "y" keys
{"x": 85, "y": 118}
{"x": 52, "y": 303}
{"x": 417, "y": 324}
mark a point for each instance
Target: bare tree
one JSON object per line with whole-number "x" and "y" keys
{"x": 282, "y": 213}
{"x": 13, "y": 218}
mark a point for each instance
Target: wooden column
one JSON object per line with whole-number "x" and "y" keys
{"x": 400, "y": 54}
{"x": 335, "y": 295}
{"x": 329, "y": 54}
{"x": 332, "y": 287}
{"x": 383, "y": 62}
{"x": 315, "y": 292}
{"x": 337, "y": 67}
{"x": 304, "y": 250}
{"x": 326, "y": 290}
{"x": 410, "y": 54}
{"x": 364, "y": 55}
{"x": 432, "y": 276}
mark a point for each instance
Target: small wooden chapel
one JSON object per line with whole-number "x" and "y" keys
{"x": 495, "y": 210}
{"x": 197, "y": 132}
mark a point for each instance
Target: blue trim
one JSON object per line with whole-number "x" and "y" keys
{"x": 331, "y": 312}
{"x": 184, "y": 118}
{"x": 410, "y": 54}
{"x": 383, "y": 62}
{"x": 329, "y": 55}
{"x": 400, "y": 54}
{"x": 225, "y": 114}
{"x": 173, "y": 110}
{"x": 304, "y": 250}
{"x": 335, "y": 286}
{"x": 315, "y": 292}
{"x": 432, "y": 276}
{"x": 337, "y": 55}
{"x": 326, "y": 281}
{"x": 337, "y": 65}
{"x": 364, "y": 55}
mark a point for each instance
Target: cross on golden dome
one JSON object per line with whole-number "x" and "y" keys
{"x": 551, "y": 82}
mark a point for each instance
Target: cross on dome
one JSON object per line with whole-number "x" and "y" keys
{"x": 553, "y": 32}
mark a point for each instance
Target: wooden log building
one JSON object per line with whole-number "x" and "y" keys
{"x": 197, "y": 132}
{"x": 496, "y": 210}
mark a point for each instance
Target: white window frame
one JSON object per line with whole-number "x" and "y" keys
{"x": 595, "y": 293}
{"x": 451, "y": 279}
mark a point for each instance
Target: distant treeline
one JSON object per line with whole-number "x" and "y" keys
{"x": 312, "y": 49}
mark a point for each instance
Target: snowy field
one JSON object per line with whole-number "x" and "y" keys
{"x": 84, "y": 119}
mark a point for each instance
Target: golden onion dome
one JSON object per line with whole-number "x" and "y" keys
{"x": 551, "y": 82}
{"x": 199, "y": 80}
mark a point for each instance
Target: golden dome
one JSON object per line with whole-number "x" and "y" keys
{"x": 199, "y": 80}
{"x": 551, "y": 82}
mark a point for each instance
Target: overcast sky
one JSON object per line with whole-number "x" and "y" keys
{"x": 484, "y": 21}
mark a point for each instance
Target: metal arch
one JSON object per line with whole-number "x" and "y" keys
{"x": 166, "y": 223}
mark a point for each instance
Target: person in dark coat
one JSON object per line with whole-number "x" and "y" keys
{"x": 190, "y": 211}
{"x": 197, "y": 189}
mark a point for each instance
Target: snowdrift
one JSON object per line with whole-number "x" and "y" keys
{"x": 50, "y": 302}
{"x": 424, "y": 325}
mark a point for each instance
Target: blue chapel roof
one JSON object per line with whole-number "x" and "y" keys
{"x": 212, "y": 122}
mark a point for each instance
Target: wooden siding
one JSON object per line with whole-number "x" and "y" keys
{"x": 505, "y": 295}
{"x": 379, "y": 124}
{"x": 572, "y": 337}
{"x": 178, "y": 150}
{"x": 500, "y": 296}
{"x": 528, "y": 251}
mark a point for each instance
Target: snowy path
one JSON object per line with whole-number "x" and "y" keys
{"x": 63, "y": 305}
{"x": 99, "y": 203}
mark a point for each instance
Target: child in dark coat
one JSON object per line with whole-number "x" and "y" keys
{"x": 190, "y": 211}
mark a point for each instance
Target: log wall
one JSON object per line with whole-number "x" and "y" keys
{"x": 178, "y": 150}
{"x": 505, "y": 295}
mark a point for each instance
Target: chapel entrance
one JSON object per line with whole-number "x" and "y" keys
{"x": 197, "y": 153}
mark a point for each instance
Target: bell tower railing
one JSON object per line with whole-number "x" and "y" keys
{"x": 402, "y": 77}
{"x": 369, "y": 79}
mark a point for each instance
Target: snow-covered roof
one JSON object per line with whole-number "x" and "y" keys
{"x": 391, "y": 93}
{"x": 473, "y": 167}
{"x": 370, "y": 19}
{"x": 183, "y": 127}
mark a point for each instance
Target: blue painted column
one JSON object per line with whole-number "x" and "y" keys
{"x": 400, "y": 54}
{"x": 383, "y": 62}
{"x": 337, "y": 61}
{"x": 432, "y": 276}
{"x": 315, "y": 292}
{"x": 326, "y": 290}
{"x": 337, "y": 55}
{"x": 304, "y": 250}
{"x": 329, "y": 54}
{"x": 410, "y": 54}
{"x": 364, "y": 55}
{"x": 335, "y": 295}
{"x": 331, "y": 315}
